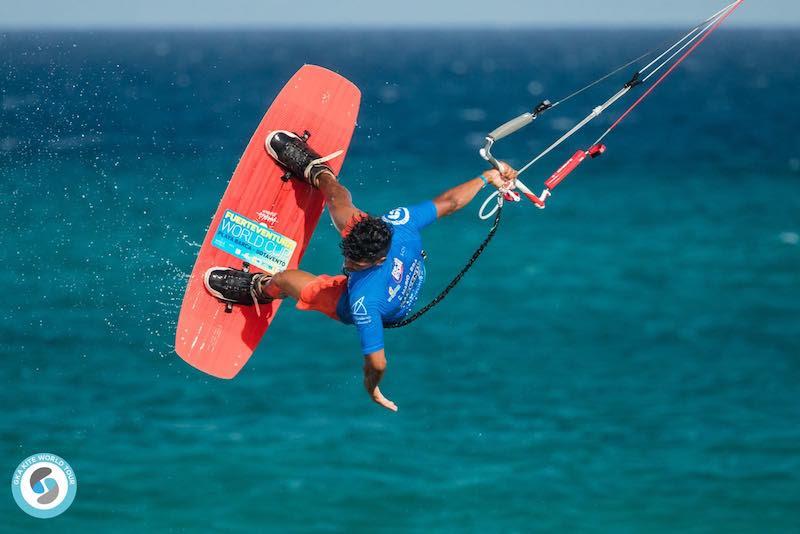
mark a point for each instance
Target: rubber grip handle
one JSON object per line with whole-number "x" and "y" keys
{"x": 511, "y": 126}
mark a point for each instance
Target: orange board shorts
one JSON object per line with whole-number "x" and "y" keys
{"x": 323, "y": 294}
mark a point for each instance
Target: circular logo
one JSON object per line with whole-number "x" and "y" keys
{"x": 44, "y": 485}
{"x": 397, "y": 216}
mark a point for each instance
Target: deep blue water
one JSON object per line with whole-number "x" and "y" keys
{"x": 627, "y": 360}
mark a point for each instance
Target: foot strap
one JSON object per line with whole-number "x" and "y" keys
{"x": 320, "y": 161}
{"x": 268, "y": 290}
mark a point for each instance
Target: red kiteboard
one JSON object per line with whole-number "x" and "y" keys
{"x": 264, "y": 221}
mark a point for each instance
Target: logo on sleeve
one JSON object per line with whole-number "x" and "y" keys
{"x": 359, "y": 309}
{"x": 360, "y": 314}
{"x": 397, "y": 216}
{"x": 397, "y": 270}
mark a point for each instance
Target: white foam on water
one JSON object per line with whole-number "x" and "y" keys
{"x": 790, "y": 238}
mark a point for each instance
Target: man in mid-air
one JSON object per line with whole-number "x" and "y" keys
{"x": 383, "y": 257}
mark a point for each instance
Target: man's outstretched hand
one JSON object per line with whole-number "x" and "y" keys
{"x": 374, "y": 367}
{"x": 503, "y": 178}
{"x": 378, "y": 397}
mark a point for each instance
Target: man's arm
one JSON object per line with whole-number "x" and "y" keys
{"x": 339, "y": 201}
{"x": 456, "y": 198}
{"x": 374, "y": 367}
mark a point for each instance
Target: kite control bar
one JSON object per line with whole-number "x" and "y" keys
{"x": 691, "y": 40}
{"x": 507, "y": 129}
{"x": 556, "y": 178}
{"x": 668, "y": 59}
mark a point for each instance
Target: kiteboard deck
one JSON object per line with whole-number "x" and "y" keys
{"x": 264, "y": 220}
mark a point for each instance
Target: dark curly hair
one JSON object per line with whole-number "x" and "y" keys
{"x": 368, "y": 241}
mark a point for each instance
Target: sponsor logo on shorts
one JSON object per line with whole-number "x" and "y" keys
{"x": 397, "y": 270}
{"x": 397, "y": 216}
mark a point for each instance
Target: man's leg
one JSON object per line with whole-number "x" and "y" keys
{"x": 287, "y": 283}
{"x": 319, "y": 293}
{"x": 339, "y": 200}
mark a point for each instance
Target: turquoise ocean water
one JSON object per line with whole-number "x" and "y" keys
{"x": 627, "y": 360}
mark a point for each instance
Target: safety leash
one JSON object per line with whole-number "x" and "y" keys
{"x": 475, "y": 255}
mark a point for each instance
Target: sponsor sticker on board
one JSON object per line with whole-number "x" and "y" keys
{"x": 253, "y": 242}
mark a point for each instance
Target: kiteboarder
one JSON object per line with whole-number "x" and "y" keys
{"x": 384, "y": 263}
